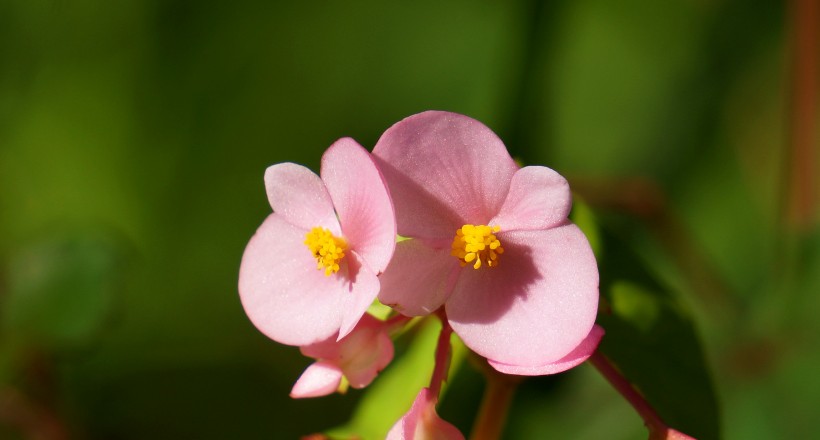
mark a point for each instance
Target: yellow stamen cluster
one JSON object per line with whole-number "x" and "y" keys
{"x": 477, "y": 245}
{"x": 326, "y": 248}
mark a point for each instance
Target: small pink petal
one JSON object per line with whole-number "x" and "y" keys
{"x": 319, "y": 379}
{"x": 581, "y": 353}
{"x": 361, "y": 200}
{"x": 298, "y": 195}
{"x": 283, "y": 293}
{"x": 367, "y": 360}
{"x": 416, "y": 281}
{"x": 539, "y": 198}
{"x": 444, "y": 170}
{"x": 360, "y": 355}
{"x": 364, "y": 286}
{"x": 423, "y": 423}
{"x": 536, "y": 306}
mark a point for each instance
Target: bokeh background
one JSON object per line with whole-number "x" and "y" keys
{"x": 134, "y": 136}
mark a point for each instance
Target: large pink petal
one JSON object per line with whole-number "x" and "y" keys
{"x": 444, "y": 170}
{"x": 283, "y": 293}
{"x": 581, "y": 353}
{"x": 419, "y": 278}
{"x": 364, "y": 286}
{"x": 536, "y": 306}
{"x": 361, "y": 200}
{"x": 319, "y": 379}
{"x": 539, "y": 198}
{"x": 298, "y": 195}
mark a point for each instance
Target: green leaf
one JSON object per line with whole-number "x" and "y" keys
{"x": 60, "y": 292}
{"x": 393, "y": 392}
{"x": 652, "y": 340}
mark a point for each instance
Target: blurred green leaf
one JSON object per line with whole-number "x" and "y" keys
{"x": 613, "y": 71}
{"x": 584, "y": 218}
{"x": 652, "y": 340}
{"x": 8, "y": 360}
{"x": 635, "y": 305}
{"x": 60, "y": 292}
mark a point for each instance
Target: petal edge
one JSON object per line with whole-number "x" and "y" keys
{"x": 362, "y": 201}
{"x": 578, "y": 356}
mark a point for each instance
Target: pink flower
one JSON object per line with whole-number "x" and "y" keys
{"x": 358, "y": 357}
{"x": 423, "y": 423}
{"x": 491, "y": 243}
{"x": 311, "y": 269}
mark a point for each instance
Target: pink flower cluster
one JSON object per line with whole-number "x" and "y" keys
{"x": 487, "y": 245}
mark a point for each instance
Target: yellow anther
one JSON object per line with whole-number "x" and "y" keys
{"x": 477, "y": 245}
{"x": 327, "y": 249}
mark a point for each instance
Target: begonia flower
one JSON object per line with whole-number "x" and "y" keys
{"x": 310, "y": 271}
{"x": 358, "y": 357}
{"x": 490, "y": 242}
{"x": 423, "y": 423}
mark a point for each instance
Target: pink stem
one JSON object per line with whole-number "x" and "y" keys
{"x": 498, "y": 395}
{"x": 802, "y": 192}
{"x": 657, "y": 428}
{"x": 442, "y": 357}
{"x": 394, "y": 323}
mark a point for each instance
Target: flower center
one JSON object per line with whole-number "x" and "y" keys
{"x": 477, "y": 244}
{"x": 326, "y": 248}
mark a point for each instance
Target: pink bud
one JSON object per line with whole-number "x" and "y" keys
{"x": 672, "y": 434}
{"x": 423, "y": 423}
{"x": 663, "y": 432}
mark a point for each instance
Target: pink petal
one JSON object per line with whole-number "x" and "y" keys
{"x": 284, "y": 294}
{"x": 298, "y": 195}
{"x": 360, "y": 355}
{"x": 419, "y": 278}
{"x": 539, "y": 198}
{"x": 319, "y": 379}
{"x": 364, "y": 286}
{"x": 361, "y": 200}
{"x": 367, "y": 359}
{"x": 327, "y": 349}
{"x": 581, "y": 353}
{"x": 444, "y": 170}
{"x": 536, "y": 306}
{"x": 422, "y": 422}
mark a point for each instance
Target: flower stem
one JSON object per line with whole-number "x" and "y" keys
{"x": 442, "y": 366}
{"x": 395, "y": 323}
{"x": 657, "y": 428}
{"x": 800, "y": 190}
{"x": 495, "y": 404}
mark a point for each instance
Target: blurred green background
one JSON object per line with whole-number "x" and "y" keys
{"x": 134, "y": 136}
